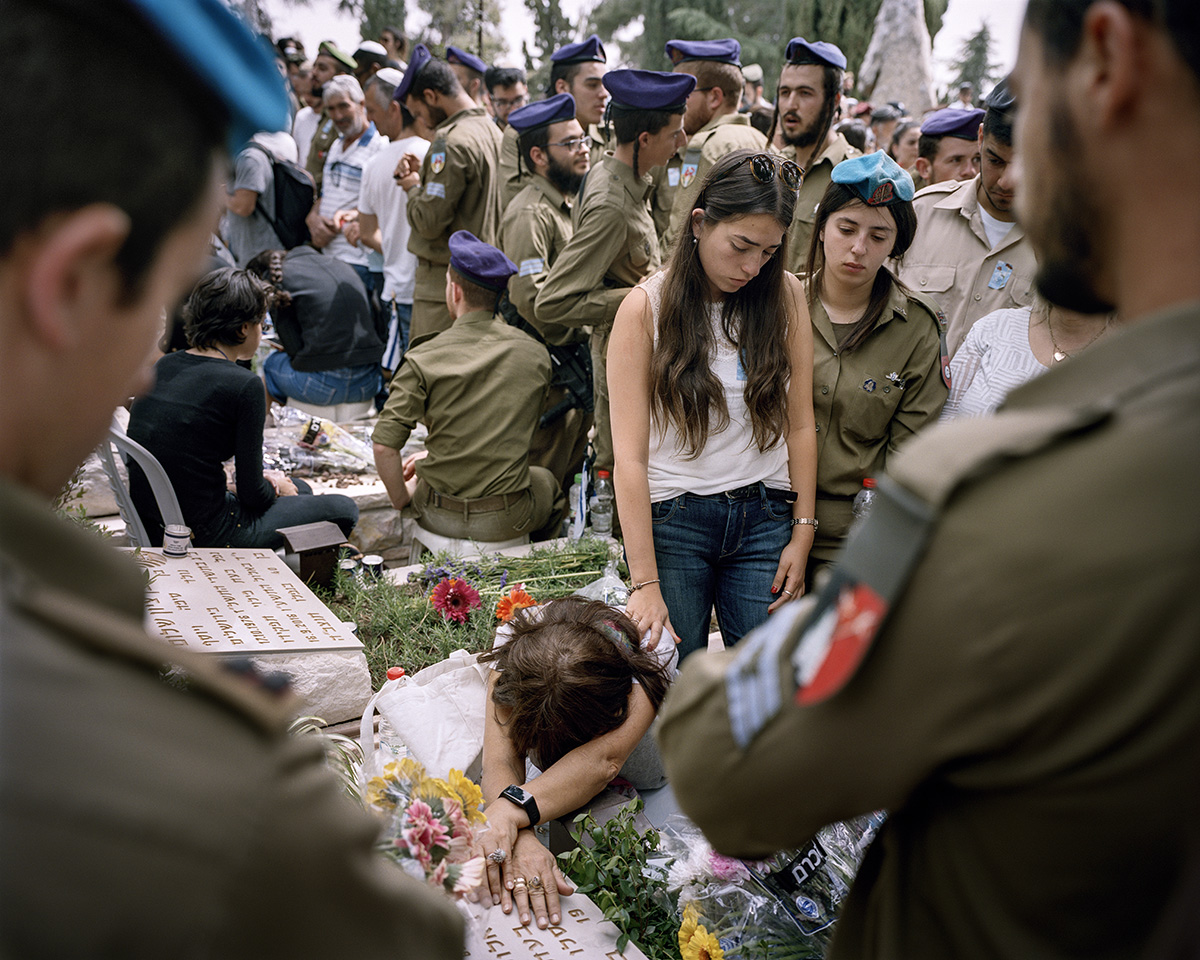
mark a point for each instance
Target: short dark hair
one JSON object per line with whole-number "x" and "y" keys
{"x": 220, "y": 304}
{"x": 927, "y": 146}
{"x": 998, "y": 124}
{"x": 1060, "y": 25}
{"x": 502, "y": 77}
{"x": 628, "y": 125}
{"x": 154, "y": 162}
{"x": 436, "y": 75}
{"x": 855, "y": 132}
{"x": 475, "y": 296}
{"x": 565, "y": 72}
{"x": 536, "y": 137}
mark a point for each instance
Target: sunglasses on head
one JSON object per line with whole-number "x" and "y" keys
{"x": 763, "y": 166}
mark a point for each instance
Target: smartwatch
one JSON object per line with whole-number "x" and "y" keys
{"x": 523, "y": 799}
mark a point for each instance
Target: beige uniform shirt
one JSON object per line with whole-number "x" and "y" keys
{"x": 145, "y": 819}
{"x": 662, "y": 198}
{"x": 479, "y": 388}
{"x": 459, "y": 188}
{"x": 868, "y": 402}
{"x": 614, "y": 247}
{"x": 719, "y": 137}
{"x": 951, "y": 260}
{"x": 535, "y": 229}
{"x": 1029, "y": 712}
{"x": 513, "y": 175}
{"x": 812, "y": 188}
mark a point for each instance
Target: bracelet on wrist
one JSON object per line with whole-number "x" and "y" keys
{"x": 645, "y": 583}
{"x": 811, "y": 521}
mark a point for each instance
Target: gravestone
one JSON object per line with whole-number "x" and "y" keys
{"x": 583, "y": 934}
{"x": 249, "y": 603}
{"x": 898, "y": 62}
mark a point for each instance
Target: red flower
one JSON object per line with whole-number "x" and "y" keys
{"x": 454, "y": 599}
{"x": 516, "y": 599}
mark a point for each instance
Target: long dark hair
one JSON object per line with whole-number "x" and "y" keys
{"x": 837, "y": 196}
{"x": 686, "y": 393}
{"x": 566, "y": 676}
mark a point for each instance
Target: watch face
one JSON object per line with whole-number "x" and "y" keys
{"x": 520, "y": 795}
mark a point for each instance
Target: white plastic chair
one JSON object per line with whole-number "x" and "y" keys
{"x": 160, "y": 484}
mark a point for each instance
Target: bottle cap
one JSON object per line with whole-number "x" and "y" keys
{"x": 395, "y": 673}
{"x": 603, "y": 474}
{"x": 869, "y": 483}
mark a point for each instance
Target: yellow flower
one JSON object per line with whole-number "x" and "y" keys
{"x": 703, "y": 946}
{"x": 470, "y": 795}
{"x": 691, "y": 917}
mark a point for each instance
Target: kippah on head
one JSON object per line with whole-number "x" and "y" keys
{"x": 753, "y": 72}
{"x": 875, "y": 177}
{"x": 420, "y": 57}
{"x": 719, "y": 51}
{"x": 948, "y": 122}
{"x": 800, "y": 52}
{"x": 542, "y": 113}
{"x": 458, "y": 55}
{"x": 583, "y": 51}
{"x": 370, "y": 52}
{"x": 390, "y": 76}
{"x": 479, "y": 262}
{"x": 228, "y": 61}
{"x": 649, "y": 90}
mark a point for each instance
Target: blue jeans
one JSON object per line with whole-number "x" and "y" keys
{"x": 237, "y": 528}
{"x": 724, "y": 549}
{"x": 324, "y": 387}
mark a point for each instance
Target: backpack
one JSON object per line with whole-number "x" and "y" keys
{"x": 295, "y": 194}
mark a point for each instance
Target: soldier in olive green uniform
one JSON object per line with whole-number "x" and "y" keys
{"x": 480, "y": 387}
{"x": 535, "y": 229}
{"x": 812, "y": 67}
{"x": 457, "y": 187}
{"x": 329, "y": 62}
{"x": 142, "y": 815}
{"x": 662, "y": 197}
{"x": 1007, "y": 660}
{"x": 614, "y": 246}
{"x": 712, "y": 122}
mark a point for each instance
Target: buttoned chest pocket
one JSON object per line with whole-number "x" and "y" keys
{"x": 933, "y": 279}
{"x": 868, "y": 412}
{"x": 1020, "y": 290}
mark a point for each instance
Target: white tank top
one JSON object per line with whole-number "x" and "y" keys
{"x": 730, "y": 458}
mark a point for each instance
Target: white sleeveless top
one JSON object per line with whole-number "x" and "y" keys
{"x": 730, "y": 458}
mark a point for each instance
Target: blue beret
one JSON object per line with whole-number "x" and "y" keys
{"x": 801, "y": 51}
{"x": 649, "y": 89}
{"x": 963, "y": 124}
{"x": 456, "y": 55}
{"x": 420, "y": 57}
{"x": 1000, "y": 99}
{"x": 875, "y": 177}
{"x": 722, "y": 51}
{"x": 480, "y": 262}
{"x": 226, "y": 58}
{"x": 581, "y": 52}
{"x": 542, "y": 113}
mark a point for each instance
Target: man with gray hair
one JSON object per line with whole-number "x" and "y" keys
{"x": 357, "y": 142}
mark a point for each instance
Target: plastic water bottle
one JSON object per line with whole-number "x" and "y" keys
{"x": 864, "y": 500}
{"x": 602, "y": 505}
{"x": 575, "y": 509}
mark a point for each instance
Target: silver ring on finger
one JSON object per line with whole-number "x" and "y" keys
{"x": 788, "y": 592}
{"x": 535, "y": 883}
{"x": 519, "y": 884}
{"x": 498, "y": 856}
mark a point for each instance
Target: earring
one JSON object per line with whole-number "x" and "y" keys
{"x": 695, "y": 240}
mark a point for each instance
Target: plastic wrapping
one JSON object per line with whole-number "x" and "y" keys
{"x": 610, "y": 588}
{"x": 317, "y": 446}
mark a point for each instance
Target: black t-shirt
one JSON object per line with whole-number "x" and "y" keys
{"x": 201, "y": 412}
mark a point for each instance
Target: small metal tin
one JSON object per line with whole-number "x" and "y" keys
{"x": 176, "y": 540}
{"x": 373, "y": 565}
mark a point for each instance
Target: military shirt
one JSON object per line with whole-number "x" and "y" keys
{"x": 165, "y": 820}
{"x": 717, "y": 138}
{"x": 868, "y": 402}
{"x": 662, "y": 197}
{"x": 479, "y": 388}
{"x": 1029, "y": 710}
{"x": 325, "y": 137}
{"x": 535, "y": 229}
{"x": 513, "y": 175}
{"x": 614, "y": 247}
{"x": 459, "y": 187}
{"x": 951, "y": 260}
{"x": 812, "y": 189}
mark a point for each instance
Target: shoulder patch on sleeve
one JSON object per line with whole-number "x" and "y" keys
{"x": 436, "y": 190}
{"x": 531, "y": 267}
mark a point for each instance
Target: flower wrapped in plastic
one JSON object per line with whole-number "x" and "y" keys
{"x": 431, "y": 824}
{"x": 783, "y": 908}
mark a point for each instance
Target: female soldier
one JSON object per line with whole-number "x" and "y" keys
{"x": 877, "y": 346}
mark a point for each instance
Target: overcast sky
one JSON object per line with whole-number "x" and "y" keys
{"x": 320, "y": 21}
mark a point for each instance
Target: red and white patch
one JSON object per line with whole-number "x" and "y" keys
{"x": 834, "y": 647}
{"x": 437, "y": 162}
{"x": 689, "y": 174}
{"x": 883, "y": 194}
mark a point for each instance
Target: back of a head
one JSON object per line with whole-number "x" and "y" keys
{"x": 153, "y": 161}
{"x": 436, "y": 75}
{"x": 220, "y": 303}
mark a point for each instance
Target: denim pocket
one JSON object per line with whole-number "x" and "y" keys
{"x": 779, "y": 509}
{"x": 664, "y": 510}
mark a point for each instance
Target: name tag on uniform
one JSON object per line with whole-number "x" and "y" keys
{"x": 673, "y": 176}
{"x": 531, "y": 266}
{"x": 436, "y": 190}
{"x": 1000, "y": 275}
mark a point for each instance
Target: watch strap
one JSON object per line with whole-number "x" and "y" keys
{"x": 525, "y": 800}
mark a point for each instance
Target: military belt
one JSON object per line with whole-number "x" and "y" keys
{"x": 479, "y": 505}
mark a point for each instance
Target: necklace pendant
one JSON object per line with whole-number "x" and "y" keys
{"x": 1059, "y": 356}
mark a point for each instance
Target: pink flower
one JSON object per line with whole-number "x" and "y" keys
{"x": 471, "y": 875}
{"x": 461, "y": 826}
{"x": 726, "y": 868}
{"x": 454, "y": 599}
{"x": 438, "y": 877}
{"x": 423, "y": 832}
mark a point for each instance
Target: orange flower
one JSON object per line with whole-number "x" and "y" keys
{"x": 516, "y": 599}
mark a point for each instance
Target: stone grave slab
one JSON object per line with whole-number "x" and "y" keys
{"x": 584, "y": 934}
{"x": 249, "y": 603}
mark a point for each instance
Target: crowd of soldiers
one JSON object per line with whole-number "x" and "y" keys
{"x": 585, "y": 191}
